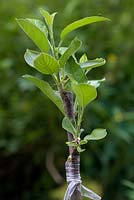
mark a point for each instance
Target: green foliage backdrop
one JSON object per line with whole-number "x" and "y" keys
{"x": 30, "y": 125}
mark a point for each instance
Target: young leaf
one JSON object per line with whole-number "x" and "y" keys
{"x": 46, "y": 64}
{"x": 83, "y": 58}
{"x": 48, "y": 18}
{"x": 62, "y": 50}
{"x": 30, "y": 56}
{"x": 85, "y": 93}
{"x": 71, "y": 144}
{"x": 68, "y": 126}
{"x": 90, "y": 64}
{"x": 37, "y": 31}
{"x": 73, "y": 47}
{"x": 82, "y": 142}
{"x": 74, "y": 71}
{"x": 80, "y": 23}
{"x": 80, "y": 150}
{"x": 96, "y": 134}
{"x": 96, "y": 83}
{"x": 47, "y": 90}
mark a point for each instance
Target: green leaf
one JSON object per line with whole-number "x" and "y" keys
{"x": 46, "y": 64}
{"x": 79, "y": 23}
{"x": 48, "y": 18}
{"x": 62, "y": 50}
{"x": 85, "y": 93}
{"x": 74, "y": 72}
{"x": 96, "y": 83}
{"x": 47, "y": 90}
{"x": 68, "y": 126}
{"x": 83, "y": 58}
{"x": 82, "y": 142}
{"x": 73, "y": 47}
{"x": 71, "y": 144}
{"x": 30, "y": 56}
{"x": 90, "y": 64}
{"x": 36, "y": 30}
{"x": 80, "y": 150}
{"x": 96, "y": 134}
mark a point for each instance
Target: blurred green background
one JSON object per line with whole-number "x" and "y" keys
{"x": 32, "y": 142}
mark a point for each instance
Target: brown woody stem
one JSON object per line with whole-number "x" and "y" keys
{"x": 73, "y": 161}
